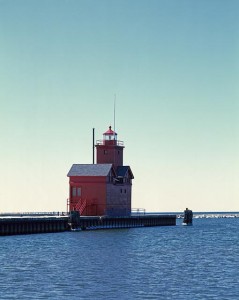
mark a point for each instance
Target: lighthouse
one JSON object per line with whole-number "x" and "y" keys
{"x": 104, "y": 188}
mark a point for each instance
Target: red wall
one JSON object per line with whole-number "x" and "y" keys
{"x": 93, "y": 190}
{"x": 109, "y": 154}
{"x": 102, "y": 197}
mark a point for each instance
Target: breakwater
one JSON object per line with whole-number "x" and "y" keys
{"x": 85, "y": 223}
{"x": 27, "y": 224}
{"x": 59, "y": 222}
{"x": 211, "y": 215}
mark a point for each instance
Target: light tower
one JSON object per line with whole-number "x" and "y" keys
{"x": 109, "y": 150}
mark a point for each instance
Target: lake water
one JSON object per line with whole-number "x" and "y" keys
{"x": 178, "y": 262}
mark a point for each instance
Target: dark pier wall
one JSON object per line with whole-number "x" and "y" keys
{"x": 42, "y": 224}
{"x": 124, "y": 222}
{"x": 27, "y": 225}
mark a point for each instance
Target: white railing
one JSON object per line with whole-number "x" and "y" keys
{"x": 116, "y": 142}
{"x": 22, "y": 214}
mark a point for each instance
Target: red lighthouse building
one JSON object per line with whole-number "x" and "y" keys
{"x": 103, "y": 188}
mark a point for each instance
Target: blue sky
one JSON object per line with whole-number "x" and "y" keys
{"x": 174, "y": 68}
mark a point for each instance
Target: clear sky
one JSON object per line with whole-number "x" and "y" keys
{"x": 174, "y": 67}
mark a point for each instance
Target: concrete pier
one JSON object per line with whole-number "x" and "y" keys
{"x": 40, "y": 223}
{"x": 10, "y": 225}
{"x": 85, "y": 223}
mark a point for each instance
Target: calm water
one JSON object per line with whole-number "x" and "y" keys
{"x": 198, "y": 262}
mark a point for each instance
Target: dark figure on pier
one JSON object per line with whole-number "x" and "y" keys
{"x": 188, "y": 217}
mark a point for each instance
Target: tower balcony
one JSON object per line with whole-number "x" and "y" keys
{"x": 110, "y": 142}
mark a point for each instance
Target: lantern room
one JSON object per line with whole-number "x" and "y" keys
{"x": 110, "y": 137}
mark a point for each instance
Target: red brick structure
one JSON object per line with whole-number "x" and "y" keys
{"x": 103, "y": 188}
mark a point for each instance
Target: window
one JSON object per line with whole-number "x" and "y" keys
{"x": 105, "y": 151}
{"x": 74, "y": 191}
{"x": 125, "y": 191}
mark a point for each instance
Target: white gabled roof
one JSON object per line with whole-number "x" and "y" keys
{"x": 89, "y": 170}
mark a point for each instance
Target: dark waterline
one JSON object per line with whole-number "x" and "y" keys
{"x": 198, "y": 262}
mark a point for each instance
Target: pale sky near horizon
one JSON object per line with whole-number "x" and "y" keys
{"x": 174, "y": 67}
